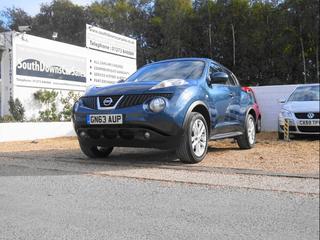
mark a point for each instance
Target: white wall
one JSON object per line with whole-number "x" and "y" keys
{"x": 32, "y": 106}
{"x": 267, "y": 98}
{"x": 34, "y": 130}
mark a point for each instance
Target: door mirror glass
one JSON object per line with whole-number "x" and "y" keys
{"x": 219, "y": 78}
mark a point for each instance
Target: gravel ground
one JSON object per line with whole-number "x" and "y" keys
{"x": 269, "y": 154}
{"x": 295, "y": 157}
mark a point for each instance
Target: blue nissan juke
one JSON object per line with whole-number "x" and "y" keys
{"x": 176, "y": 104}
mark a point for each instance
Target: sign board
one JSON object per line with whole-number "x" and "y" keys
{"x": 30, "y": 63}
{"x": 106, "y": 68}
{"x": 106, "y": 41}
{"x": 39, "y": 62}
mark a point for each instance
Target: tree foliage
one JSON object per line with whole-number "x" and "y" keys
{"x": 48, "y": 100}
{"x": 16, "y": 109}
{"x": 68, "y": 102}
{"x": 261, "y": 41}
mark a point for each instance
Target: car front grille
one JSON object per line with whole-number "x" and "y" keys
{"x": 126, "y": 101}
{"x": 114, "y": 99}
{"x": 309, "y": 128}
{"x": 89, "y": 102}
{"x": 304, "y": 115}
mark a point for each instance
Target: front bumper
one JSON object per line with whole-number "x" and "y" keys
{"x": 139, "y": 129}
{"x": 127, "y": 136}
{"x": 296, "y": 128}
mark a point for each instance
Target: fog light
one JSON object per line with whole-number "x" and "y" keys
{"x": 147, "y": 135}
{"x": 83, "y": 134}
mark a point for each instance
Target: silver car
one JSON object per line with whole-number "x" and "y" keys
{"x": 302, "y": 110}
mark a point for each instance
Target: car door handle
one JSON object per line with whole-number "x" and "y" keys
{"x": 231, "y": 95}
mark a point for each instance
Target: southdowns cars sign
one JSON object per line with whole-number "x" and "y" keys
{"x": 31, "y": 63}
{"x": 35, "y": 68}
{"x": 49, "y": 68}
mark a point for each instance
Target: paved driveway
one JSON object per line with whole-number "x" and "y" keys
{"x": 48, "y": 195}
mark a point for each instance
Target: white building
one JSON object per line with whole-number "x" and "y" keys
{"x": 31, "y": 63}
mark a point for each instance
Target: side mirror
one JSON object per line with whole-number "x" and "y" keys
{"x": 219, "y": 78}
{"x": 282, "y": 100}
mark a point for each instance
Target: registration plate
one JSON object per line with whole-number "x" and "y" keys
{"x": 100, "y": 119}
{"x": 309, "y": 122}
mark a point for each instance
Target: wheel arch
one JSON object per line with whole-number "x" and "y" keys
{"x": 200, "y": 107}
{"x": 252, "y": 112}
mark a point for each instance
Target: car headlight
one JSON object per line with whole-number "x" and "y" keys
{"x": 285, "y": 114}
{"x": 170, "y": 83}
{"x": 157, "y": 104}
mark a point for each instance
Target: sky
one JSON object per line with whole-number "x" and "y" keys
{"x": 32, "y": 7}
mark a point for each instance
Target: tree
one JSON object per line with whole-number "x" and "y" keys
{"x": 262, "y": 42}
{"x": 63, "y": 17}
{"x": 2, "y": 26}
{"x": 16, "y": 17}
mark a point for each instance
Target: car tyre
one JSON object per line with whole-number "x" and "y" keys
{"x": 259, "y": 125}
{"x": 194, "y": 143}
{"x": 95, "y": 151}
{"x": 280, "y": 135}
{"x": 248, "y": 138}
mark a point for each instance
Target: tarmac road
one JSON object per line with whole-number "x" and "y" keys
{"x": 48, "y": 197}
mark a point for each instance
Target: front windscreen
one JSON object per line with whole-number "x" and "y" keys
{"x": 305, "y": 93}
{"x": 187, "y": 70}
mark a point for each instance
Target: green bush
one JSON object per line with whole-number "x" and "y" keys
{"x": 68, "y": 102}
{"x": 7, "y": 118}
{"x": 48, "y": 99}
{"x": 16, "y": 109}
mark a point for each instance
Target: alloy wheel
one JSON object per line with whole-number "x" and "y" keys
{"x": 198, "y": 137}
{"x": 251, "y": 131}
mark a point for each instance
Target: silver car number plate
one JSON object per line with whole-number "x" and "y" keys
{"x": 309, "y": 122}
{"x": 100, "y": 119}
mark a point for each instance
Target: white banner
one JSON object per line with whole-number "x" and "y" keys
{"x": 30, "y": 63}
{"x": 106, "y": 41}
{"x": 48, "y": 64}
{"x": 44, "y": 63}
{"x": 106, "y": 68}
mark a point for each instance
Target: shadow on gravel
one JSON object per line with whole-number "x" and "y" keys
{"x": 214, "y": 149}
{"x": 73, "y": 162}
{"x": 305, "y": 137}
{"x": 65, "y": 160}
{"x": 126, "y": 155}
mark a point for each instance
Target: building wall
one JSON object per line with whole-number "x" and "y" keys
{"x": 31, "y": 63}
{"x": 35, "y": 130}
{"x": 6, "y": 75}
